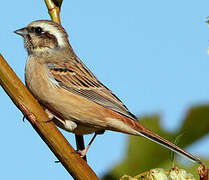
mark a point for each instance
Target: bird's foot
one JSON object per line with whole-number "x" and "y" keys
{"x": 83, "y": 152}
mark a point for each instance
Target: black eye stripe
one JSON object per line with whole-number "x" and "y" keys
{"x": 32, "y": 29}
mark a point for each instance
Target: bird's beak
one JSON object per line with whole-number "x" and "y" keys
{"x": 21, "y": 32}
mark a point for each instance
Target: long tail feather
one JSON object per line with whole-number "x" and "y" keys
{"x": 155, "y": 138}
{"x": 133, "y": 127}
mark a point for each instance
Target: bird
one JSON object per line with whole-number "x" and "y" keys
{"x": 71, "y": 94}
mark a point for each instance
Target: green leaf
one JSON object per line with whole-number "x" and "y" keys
{"x": 207, "y": 20}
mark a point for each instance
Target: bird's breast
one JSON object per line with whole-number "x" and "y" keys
{"x": 36, "y": 78}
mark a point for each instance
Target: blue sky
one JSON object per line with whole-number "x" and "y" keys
{"x": 151, "y": 54}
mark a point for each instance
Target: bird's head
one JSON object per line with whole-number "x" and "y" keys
{"x": 43, "y": 35}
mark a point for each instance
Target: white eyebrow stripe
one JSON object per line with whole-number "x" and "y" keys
{"x": 52, "y": 30}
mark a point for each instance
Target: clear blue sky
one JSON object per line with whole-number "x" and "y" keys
{"x": 151, "y": 54}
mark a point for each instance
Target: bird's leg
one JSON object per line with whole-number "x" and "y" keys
{"x": 83, "y": 152}
{"x": 80, "y": 144}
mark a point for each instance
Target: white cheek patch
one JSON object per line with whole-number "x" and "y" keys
{"x": 56, "y": 33}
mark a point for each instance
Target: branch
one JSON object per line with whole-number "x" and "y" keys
{"x": 54, "y": 9}
{"x": 23, "y": 99}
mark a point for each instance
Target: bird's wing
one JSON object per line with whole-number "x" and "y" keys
{"x": 75, "y": 77}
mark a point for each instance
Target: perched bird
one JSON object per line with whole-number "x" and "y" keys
{"x": 71, "y": 95}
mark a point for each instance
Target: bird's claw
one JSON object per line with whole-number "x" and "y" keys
{"x": 23, "y": 119}
{"x": 82, "y": 153}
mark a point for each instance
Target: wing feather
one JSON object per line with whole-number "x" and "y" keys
{"x": 74, "y": 76}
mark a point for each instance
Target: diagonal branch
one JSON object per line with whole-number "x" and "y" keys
{"x": 23, "y": 99}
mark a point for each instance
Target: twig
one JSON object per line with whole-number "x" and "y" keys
{"x": 54, "y": 9}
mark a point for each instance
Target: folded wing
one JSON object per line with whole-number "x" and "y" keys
{"x": 75, "y": 77}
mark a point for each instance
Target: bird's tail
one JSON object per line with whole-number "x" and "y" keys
{"x": 135, "y": 128}
{"x": 156, "y": 138}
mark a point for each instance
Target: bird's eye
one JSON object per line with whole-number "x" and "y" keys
{"x": 38, "y": 30}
